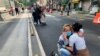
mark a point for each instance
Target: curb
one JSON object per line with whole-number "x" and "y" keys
{"x": 38, "y": 40}
{"x": 37, "y": 37}
{"x": 29, "y": 41}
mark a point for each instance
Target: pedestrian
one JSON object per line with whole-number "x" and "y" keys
{"x": 68, "y": 8}
{"x": 38, "y": 14}
{"x": 43, "y": 19}
{"x": 78, "y": 42}
{"x": 33, "y": 10}
{"x": 62, "y": 8}
{"x": 64, "y": 40}
{"x": 11, "y": 11}
{"x": 22, "y": 9}
{"x": 17, "y": 10}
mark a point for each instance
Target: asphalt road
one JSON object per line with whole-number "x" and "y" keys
{"x": 13, "y": 38}
{"x": 50, "y": 33}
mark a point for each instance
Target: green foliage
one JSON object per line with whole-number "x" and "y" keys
{"x": 64, "y": 2}
{"x": 24, "y": 2}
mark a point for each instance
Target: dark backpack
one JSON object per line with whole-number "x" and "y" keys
{"x": 74, "y": 50}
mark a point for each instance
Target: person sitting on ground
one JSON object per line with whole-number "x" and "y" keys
{"x": 81, "y": 31}
{"x": 66, "y": 33}
{"x": 63, "y": 40}
{"x": 77, "y": 41}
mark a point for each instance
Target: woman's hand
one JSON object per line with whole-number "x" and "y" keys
{"x": 65, "y": 36}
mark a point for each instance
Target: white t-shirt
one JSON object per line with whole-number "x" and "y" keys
{"x": 79, "y": 41}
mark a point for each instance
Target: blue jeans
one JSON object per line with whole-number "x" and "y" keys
{"x": 64, "y": 52}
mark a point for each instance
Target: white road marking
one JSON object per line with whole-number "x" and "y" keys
{"x": 54, "y": 17}
{"x": 50, "y": 15}
{"x": 39, "y": 41}
{"x": 29, "y": 41}
{"x": 99, "y": 37}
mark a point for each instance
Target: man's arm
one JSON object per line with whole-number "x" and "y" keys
{"x": 71, "y": 43}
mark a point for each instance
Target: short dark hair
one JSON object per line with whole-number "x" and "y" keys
{"x": 76, "y": 27}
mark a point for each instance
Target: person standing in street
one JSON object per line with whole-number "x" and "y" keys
{"x": 38, "y": 14}
{"x": 33, "y": 10}
{"x": 43, "y": 19}
{"x": 68, "y": 9}
{"x": 62, "y": 10}
{"x": 17, "y": 10}
{"x": 22, "y": 9}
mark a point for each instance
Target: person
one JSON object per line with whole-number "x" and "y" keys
{"x": 62, "y": 10}
{"x": 68, "y": 9}
{"x": 43, "y": 20}
{"x": 33, "y": 10}
{"x": 11, "y": 11}
{"x": 78, "y": 42}
{"x": 17, "y": 10}
{"x": 66, "y": 33}
{"x": 63, "y": 40}
{"x": 22, "y": 9}
{"x": 81, "y": 31}
{"x": 38, "y": 14}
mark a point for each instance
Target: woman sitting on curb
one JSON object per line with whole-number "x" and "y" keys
{"x": 64, "y": 40}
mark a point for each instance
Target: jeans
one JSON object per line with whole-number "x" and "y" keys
{"x": 64, "y": 52}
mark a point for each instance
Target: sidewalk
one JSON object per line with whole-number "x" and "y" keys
{"x": 6, "y": 16}
{"x": 26, "y": 45}
{"x": 13, "y": 42}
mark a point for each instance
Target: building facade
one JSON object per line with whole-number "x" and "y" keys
{"x": 85, "y": 5}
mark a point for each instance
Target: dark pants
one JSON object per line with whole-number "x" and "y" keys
{"x": 17, "y": 12}
{"x": 67, "y": 13}
{"x": 34, "y": 17}
{"x": 38, "y": 20}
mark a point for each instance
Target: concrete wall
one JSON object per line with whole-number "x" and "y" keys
{"x": 4, "y": 5}
{"x": 86, "y": 5}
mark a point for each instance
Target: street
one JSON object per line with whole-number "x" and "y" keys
{"x": 50, "y": 33}
{"x": 13, "y": 37}
{"x": 21, "y": 35}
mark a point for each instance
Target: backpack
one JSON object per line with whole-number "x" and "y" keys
{"x": 74, "y": 50}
